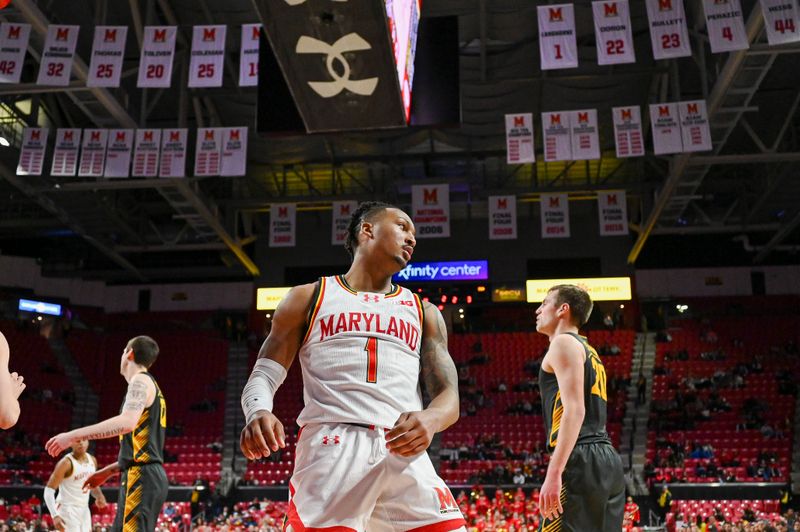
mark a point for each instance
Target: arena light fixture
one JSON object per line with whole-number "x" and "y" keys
{"x": 4, "y": 142}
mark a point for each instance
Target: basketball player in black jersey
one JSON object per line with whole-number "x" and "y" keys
{"x": 584, "y": 489}
{"x": 141, "y": 426}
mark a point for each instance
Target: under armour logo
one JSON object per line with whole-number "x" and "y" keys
{"x": 331, "y": 440}
{"x": 351, "y": 42}
{"x": 374, "y": 299}
{"x": 298, "y": 2}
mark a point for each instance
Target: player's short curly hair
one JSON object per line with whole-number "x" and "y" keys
{"x": 365, "y": 212}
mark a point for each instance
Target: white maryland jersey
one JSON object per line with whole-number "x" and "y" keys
{"x": 361, "y": 356}
{"x": 70, "y": 491}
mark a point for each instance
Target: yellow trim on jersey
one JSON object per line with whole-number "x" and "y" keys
{"x": 343, "y": 283}
{"x": 421, "y": 313}
{"x": 396, "y": 290}
{"x": 133, "y": 498}
{"x": 558, "y": 411}
{"x": 317, "y": 305}
{"x": 140, "y": 437}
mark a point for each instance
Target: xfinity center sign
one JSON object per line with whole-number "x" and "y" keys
{"x": 465, "y": 270}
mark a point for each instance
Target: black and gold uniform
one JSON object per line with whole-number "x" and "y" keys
{"x": 592, "y": 485}
{"x": 143, "y": 486}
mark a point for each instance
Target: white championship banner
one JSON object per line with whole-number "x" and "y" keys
{"x": 669, "y": 33}
{"x": 93, "y": 153}
{"x": 519, "y": 139}
{"x": 430, "y": 210}
{"x": 502, "y": 217}
{"x": 207, "y": 151}
{"x": 65, "y": 153}
{"x": 208, "y": 56}
{"x": 555, "y": 215}
{"x": 628, "y": 131}
{"x": 666, "y": 128}
{"x": 282, "y": 225}
{"x": 118, "y": 154}
{"x": 613, "y": 210}
{"x": 234, "y": 151}
{"x": 612, "y": 32}
{"x": 248, "y": 55}
{"x": 558, "y": 47}
{"x": 31, "y": 153}
{"x": 13, "y": 44}
{"x": 725, "y": 25}
{"x": 557, "y": 136}
{"x": 695, "y": 129}
{"x": 173, "y": 152}
{"x": 585, "y": 137}
{"x": 55, "y": 66}
{"x": 146, "y": 153}
{"x": 158, "y": 53}
{"x": 108, "y": 53}
{"x": 781, "y": 20}
{"x": 340, "y": 220}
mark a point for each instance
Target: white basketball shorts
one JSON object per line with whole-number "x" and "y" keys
{"x": 76, "y": 518}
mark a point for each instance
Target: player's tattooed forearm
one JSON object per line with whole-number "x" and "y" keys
{"x": 114, "y": 431}
{"x": 438, "y": 370}
{"x": 136, "y": 396}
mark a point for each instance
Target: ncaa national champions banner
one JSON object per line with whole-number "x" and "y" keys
{"x": 430, "y": 207}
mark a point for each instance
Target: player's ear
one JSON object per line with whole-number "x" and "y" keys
{"x": 367, "y": 228}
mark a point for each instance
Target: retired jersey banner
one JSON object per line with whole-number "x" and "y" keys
{"x": 248, "y": 55}
{"x": 158, "y": 53}
{"x": 781, "y": 20}
{"x": 612, "y": 32}
{"x": 666, "y": 126}
{"x": 557, "y": 136}
{"x": 340, "y": 213}
{"x": 146, "y": 152}
{"x": 555, "y": 215}
{"x": 208, "y": 56}
{"x": 108, "y": 52}
{"x": 55, "y": 66}
{"x": 173, "y": 152}
{"x": 234, "y": 151}
{"x": 519, "y": 139}
{"x": 695, "y": 129}
{"x": 207, "y": 151}
{"x": 65, "y": 154}
{"x": 558, "y": 47}
{"x": 613, "y": 208}
{"x": 31, "y": 153}
{"x": 93, "y": 153}
{"x": 13, "y": 44}
{"x": 282, "y": 225}
{"x": 628, "y": 131}
{"x": 585, "y": 138}
{"x": 118, "y": 154}
{"x": 668, "y": 31}
{"x": 725, "y": 25}
{"x": 430, "y": 206}
{"x": 502, "y": 217}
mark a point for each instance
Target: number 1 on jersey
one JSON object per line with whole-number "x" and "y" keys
{"x": 372, "y": 359}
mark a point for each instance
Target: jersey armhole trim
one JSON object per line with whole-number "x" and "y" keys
{"x": 319, "y": 294}
{"x": 421, "y": 312}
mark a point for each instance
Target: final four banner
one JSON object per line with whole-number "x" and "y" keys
{"x": 668, "y": 31}
{"x": 234, "y": 151}
{"x": 158, "y": 53}
{"x": 558, "y": 47}
{"x": 59, "y": 49}
{"x": 695, "y": 129}
{"x": 612, "y": 31}
{"x": 93, "y": 153}
{"x": 282, "y": 225}
{"x": 555, "y": 215}
{"x": 585, "y": 138}
{"x": 173, "y": 152}
{"x": 207, "y": 151}
{"x": 146, "y": 152}
{"x": 65, "y": 154}
{"x": 13, "y": 43}
{"x": 725, "y": 25}
{"x": 519, "y": 139}
{"x": 664, "y": 119}
{"x": 208, "y": 56}
{"x": 340, "y": 214}
{"x": 613, "y": 209}
{"x": 118, "y": 154}
{"x": 782, "y": 20}
{"x": 557, "y": 136}
{"x": 628, "y": 131}
{"x": 108, "y": 52}
{"x": 502, "y": 217}
{"x": 248, "y": 55}
{"x": 430, "y": 206}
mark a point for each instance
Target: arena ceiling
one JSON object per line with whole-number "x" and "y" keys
{"x": 745, "y": 191}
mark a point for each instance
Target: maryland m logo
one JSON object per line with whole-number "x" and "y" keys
{"x": 62, "y": 34}
{"x": 160, "y": 35}
{"x": 110, "y": 35}
{"x": 663, "y": 110}
{"x": 430, "y": 196}
{"x": 447, "y": 502}
{"x": 519, "y": 121}
{"x": 665, "y": 5}
{"x": 13, "y": 32}
{"x": 148, "y": 136}
{"x": 344, "y": 209}
{"x": 583, "y": 118}
{"x": 283, "y": 212}
{"x": 626, "y": 114}
{"x": 235, "y": 134}
{"x": 611, "y": 199}
{"x": 555, "y": 119}
{"x": 209, "y": 34}
{"x": 502, "y": 203}
{"x": 120, "y": 137}
{"x": 69, "y": 135}
{"x": 555, "y": 202}
{"x": 610, "y": 9}
{"x": 209, "y": 134}
{"x": 691, "y": 108}
{"x": 556, "y": 14}
{"x": 95, "y": 136}
{"x": 174, "y": 136}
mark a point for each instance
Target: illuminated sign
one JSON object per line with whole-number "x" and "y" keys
{"x": 268, "y": 298}
{"x": 403, "y": 23}
{"x": 508, "y": 294}
{"x": 465, "y": 270}
{"x": 39, "y": 307}
{"x": 600, "y": 289}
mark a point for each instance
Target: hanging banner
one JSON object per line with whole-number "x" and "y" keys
{"x": 557, "y": 136}
{"x": 585, "y": 138}
{"x": 173, "y": 152}
{"x": 13, "y": 43}
{"x": 234, "y": 151}
{"x": 248, "y": 55}
{"x": 208, "y": 56}
{"x": 146, "y": 152}
{"x": 612, "y": 31}
{"x": 628, "y": 131}
{"x": 341, "y": 213}
{"x": 108, "y": 52}
{"x": 282, "y": 225}
{"x": 695, "y": 129}
{"x": 557, "y": 45}
{"x": 725, "y": 25}
{"x": 555, "y": 215}
{"x": 502, "y": 217}
{"x": 781, "y": 20}
{"x": 118, "y": 155}
{"x": 666, "y": 128}
{"x": 59, "y": 49}
{"x": 668, "y": 31}
{"x": 31, "y": 153}
{"x": 519, "y": 139}
{"x": 65, "y": 154}
{"x": 93, "y": 153}
{"x": 613, "y": 209}
{"x": 207, "y": 151}
{"x": 158, "y": 53}
{"x": 430, "y": 206}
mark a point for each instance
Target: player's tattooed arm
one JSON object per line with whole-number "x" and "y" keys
{"x": 439, "y": 373}
{"x": 136, "y": 398}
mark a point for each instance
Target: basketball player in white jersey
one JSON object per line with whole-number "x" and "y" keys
{"x": 11, "y": 386}
{"x": 364, "y": 345}
{"x": 70, "y": 509}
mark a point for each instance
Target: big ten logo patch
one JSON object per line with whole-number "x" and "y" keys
{"x": 447, "y": 504}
